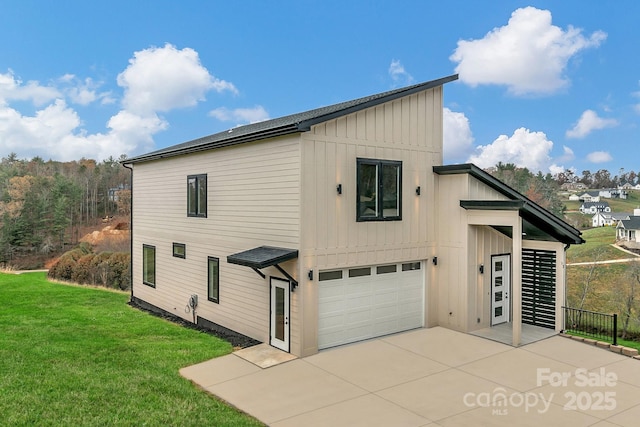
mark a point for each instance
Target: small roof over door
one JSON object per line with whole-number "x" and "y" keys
{"x": 263, "y": 257}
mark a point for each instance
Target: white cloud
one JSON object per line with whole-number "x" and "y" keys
{"x": 567, "y": 155}
{"x": 163, "y": 79}
{"x": 458, "y": 138}
{"x": 84, "y": 92}
{"x": 599, "y": 157}
{"x": 241, "y": 115}
{"x": 12, "y": 89}
{"x": 398, "y": 74}
{"x": 555, "y": 169}
{"x": 156, "y": 80}
{"x": 529, "y": 55}
{"x": 524, "y": 149}
{"x": 588, "y": 122}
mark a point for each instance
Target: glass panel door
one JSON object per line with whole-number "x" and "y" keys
{"x": 279, "y": 335}
{"x": 500, "y": 282}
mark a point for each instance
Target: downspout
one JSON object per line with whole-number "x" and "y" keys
{"x": 130, "y": 231}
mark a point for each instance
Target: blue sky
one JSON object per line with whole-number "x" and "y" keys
{"x": 549, "y": 85}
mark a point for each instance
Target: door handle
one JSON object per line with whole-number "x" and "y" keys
{"x": 286, "y": 320}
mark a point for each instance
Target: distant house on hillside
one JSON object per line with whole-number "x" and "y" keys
{"x": 612, "y": 193}
{"x": 594, "y": 207}
{"x": 602, "y": 219}
{"x": 573, "y": 186}
{"x": 590, "y": 196}
{"x": 574, "y": 198}
{"x": 628, "y": 230}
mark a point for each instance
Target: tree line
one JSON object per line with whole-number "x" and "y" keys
{"x": 599, "y": 179}
{"x": 44, "y": 204}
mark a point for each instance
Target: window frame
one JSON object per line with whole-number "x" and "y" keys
{"x": 183, "y": 246}
{"x": 200, "y": 205}
{"x": 216, "y": 284}
{"x": 380, "y": 190}
{"x": 145, "y": 274}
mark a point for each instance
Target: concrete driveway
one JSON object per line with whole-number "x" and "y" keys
{"x": 434, "y": 377}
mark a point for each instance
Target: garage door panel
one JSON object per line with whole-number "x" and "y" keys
{"x": 358, "y": 308}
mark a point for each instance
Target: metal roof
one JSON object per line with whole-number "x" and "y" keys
{"x": 531, "y": 213}
{"x": 295, "y": 123}
{"x": 262, "y": 257}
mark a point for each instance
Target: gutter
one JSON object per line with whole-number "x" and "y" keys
{"x": 285, "y": 130}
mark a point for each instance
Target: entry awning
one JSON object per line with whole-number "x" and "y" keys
{"x": 263, "y": 257}
{"x": 534, "y": 225}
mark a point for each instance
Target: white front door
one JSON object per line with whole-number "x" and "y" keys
{"x": 500, "y": 287}
{"x": 279, "y": 334}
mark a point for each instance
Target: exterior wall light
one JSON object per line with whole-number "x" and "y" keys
{"x": 418, "y": 190}
{"x": 339, "y": 188}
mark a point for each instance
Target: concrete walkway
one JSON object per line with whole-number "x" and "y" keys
{"x": 434, "y": 377}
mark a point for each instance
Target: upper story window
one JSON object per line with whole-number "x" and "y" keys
{"x": 379, "y": 190}
{"x": 197, "y": 195}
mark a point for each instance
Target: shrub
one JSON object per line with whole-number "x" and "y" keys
{"x": 81, "y": 265}
{"x": 121, "y": 270}
{"x": 82, "y": 269}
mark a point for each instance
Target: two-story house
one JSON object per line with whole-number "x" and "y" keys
{"x": 594, "y": 207}
{"x": 341, "y": 224}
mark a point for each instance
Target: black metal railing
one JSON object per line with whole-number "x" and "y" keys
{"x": 591, "y": 324}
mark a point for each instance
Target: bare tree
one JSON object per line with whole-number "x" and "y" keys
{"x": 627, "y": 294}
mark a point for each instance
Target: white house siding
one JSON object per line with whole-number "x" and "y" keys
{"x": 483, "y": 243}
{"x": 253, "y": 200}
{"x": 458, "y": 258}
{"x": 407, "y": 129}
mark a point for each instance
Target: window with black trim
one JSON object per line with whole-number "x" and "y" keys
{"x": 149, "y": 265}
{"x": 179, "y": 250}
{"x": 330, "y": 275}
{"x": 197, "y": 195}
{"x": 379, "y": 190}
{"x": 411, "y": 266}
{"x": 213, "y": 285}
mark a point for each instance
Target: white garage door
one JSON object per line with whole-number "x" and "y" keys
{"x": 361, "y": 303}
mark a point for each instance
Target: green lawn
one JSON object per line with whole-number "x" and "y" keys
{"x": 598, "y": 243}
{"x": 72, "y": 356}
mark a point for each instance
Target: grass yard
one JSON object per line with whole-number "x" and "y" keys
{"x": 72, "y": 356}
{"x": 609, "y": 285}
{"x": 598, "y": 243}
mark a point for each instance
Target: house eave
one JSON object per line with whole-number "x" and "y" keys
{"x": 291, "y": 124}
{"x": 534, "y": 213}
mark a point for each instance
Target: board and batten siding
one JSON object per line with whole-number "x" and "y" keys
{"x": 408, "y": 129}
{"x": 458, "y": 257}
{"x": 253, "y": 200}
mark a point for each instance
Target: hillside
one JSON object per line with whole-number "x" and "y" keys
{"x": 604, "y": 287}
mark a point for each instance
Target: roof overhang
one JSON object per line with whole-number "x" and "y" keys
{"x": 287, "y": 125}
{"x": 533, "y": 227}
{"x": 263, "y": 257}
{"x": 532, "y": 214}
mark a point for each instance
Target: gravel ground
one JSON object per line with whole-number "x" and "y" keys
{"x": 236, "y": 339}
